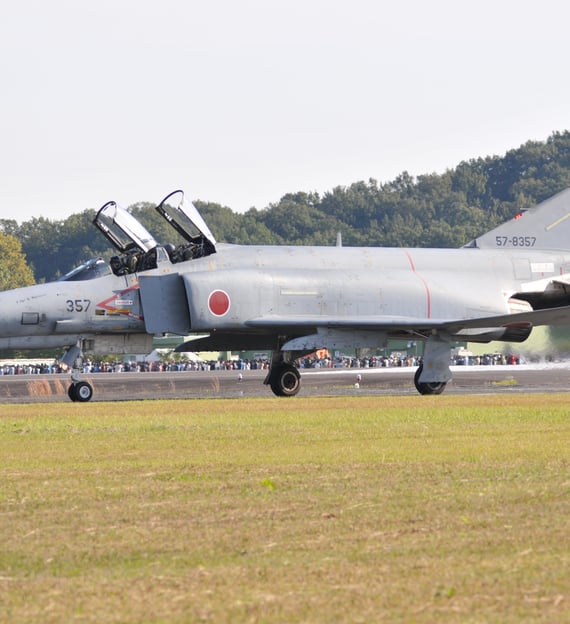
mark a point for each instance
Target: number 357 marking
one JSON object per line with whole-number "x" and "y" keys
{"x": 77, "y": 305}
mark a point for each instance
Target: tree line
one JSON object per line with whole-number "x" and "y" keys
{"x": 431, "y": 210}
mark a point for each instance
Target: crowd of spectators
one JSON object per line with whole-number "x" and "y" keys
{"x": 239, "y": 364}
{"x": 360, "y": 362}
{"x": 17, "y": 368}
{"x": 489, "y": 359}
{"x": 402, "y": 360}
{"x": 90, "y": 367}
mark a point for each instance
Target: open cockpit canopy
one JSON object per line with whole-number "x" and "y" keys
{"x": 123, "y": 231}
{"x": 187, "y": 221}
{"x": 138, "y": 248}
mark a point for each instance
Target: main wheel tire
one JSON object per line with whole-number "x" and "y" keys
{"x": 285, "y": 380}
{"x": 81, "y": 392}
{"x": 429, "y": 387}
{"x": 71, "y": 392}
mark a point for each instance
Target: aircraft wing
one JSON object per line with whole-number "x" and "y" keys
{"x": 553, "y": 316}
{"x": 310, "y": 332}
{"x": 535, "y": 318}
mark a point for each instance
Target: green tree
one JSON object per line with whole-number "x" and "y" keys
{"x": 9, "y": 226}
{"x": 14, "y": 271}
{"x": 300, "y": 223}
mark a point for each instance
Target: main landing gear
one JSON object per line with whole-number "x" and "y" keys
{"x": 283, "y": 377}
{"x": 433, "y": 373}
{"x": 285, "y": 380}
{"x": 428, "y": 387}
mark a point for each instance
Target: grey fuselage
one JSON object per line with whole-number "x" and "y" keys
{"x": 264, "y": 289}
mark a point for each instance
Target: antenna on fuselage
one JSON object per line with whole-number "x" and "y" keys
{"x": 339, "y": 239}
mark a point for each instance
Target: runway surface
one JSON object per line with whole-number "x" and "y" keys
{"x": 315, "y": 382}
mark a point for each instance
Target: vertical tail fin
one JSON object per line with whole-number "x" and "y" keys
{"x": 546, "y": 226}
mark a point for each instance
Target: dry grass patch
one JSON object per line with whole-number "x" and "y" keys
{"x": 424, "y": 509}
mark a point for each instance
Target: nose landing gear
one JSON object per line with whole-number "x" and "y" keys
{"x": 79, "y": 391}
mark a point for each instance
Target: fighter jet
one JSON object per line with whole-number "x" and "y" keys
{"x": 294, "y": 300}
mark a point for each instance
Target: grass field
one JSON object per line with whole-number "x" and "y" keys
{"x": 405, "y": 509}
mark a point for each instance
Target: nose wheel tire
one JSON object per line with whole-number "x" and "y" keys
{"x": 285, "y": 380}
{"x": 430, "y": 387}
{"x": 80, "y": 392}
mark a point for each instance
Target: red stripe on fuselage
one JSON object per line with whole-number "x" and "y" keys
{"x": 423, "y": 281}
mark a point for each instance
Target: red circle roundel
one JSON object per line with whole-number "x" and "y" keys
{"x": 219, "y": 302}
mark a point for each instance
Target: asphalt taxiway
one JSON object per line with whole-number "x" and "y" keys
{"x": 315, "y": 382}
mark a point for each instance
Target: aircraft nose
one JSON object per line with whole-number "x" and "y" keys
{"x": 19, "y": 313}
{"x": 10, "y": 312}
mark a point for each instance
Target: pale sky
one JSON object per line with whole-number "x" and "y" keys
{"x": 242, "y": 102}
